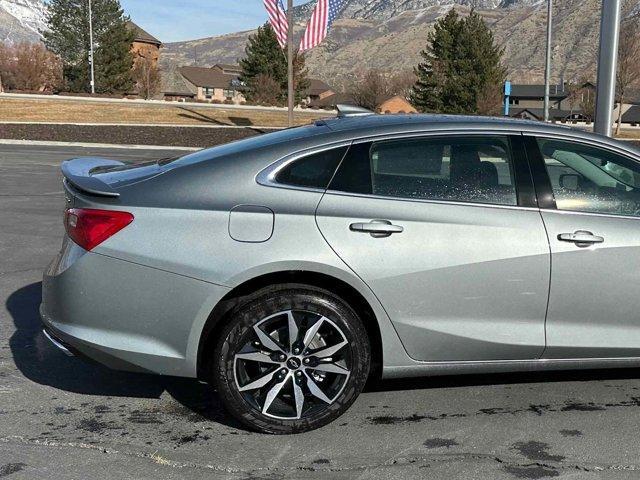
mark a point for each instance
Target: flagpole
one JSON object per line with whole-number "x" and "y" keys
{"x": 291, "y": 92}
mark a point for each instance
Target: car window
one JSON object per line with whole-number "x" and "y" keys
{"x": 313, "y": 171}
{"x": 465, "y": 169}
{"x": 591, "y": 179}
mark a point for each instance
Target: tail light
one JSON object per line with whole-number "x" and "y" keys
{"x": 89, "y": 228}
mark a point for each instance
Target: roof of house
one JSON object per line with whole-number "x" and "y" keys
{"x": 173, "y": 84}
{"x": 207, "y": 77}
{"x": 226, "y": 67}
{"x": 333, "y": 100}
{"x": 554, "y": 113}
{"x": 317, "y": 87}
{"x": 632, "y": 115}
{"x": 410, "y": 108}
{"x": 537, "y": 91}
{"x": 142, "y": 35}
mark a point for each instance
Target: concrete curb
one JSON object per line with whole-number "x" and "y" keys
{"x": 94, "y": 145}
{"x": 165, "y": 125}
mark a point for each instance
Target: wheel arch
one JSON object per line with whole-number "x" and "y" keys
{"x": 244, "y": 291}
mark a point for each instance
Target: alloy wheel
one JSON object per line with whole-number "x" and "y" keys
{"x": 292, "y": 364}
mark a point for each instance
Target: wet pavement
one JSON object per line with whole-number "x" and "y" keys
{"x": 66, "y": 419}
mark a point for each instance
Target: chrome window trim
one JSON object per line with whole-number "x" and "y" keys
{"x": 591, "y": 214}
{"x": 437, "y": 202}
{"x": 267, "y": 177}
{"x": 437, "y": 133}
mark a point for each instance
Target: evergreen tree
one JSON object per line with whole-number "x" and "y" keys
{"x": 462, "y": 71}
{"x": 68, "y": 37}
{"x": 266, "y": 60}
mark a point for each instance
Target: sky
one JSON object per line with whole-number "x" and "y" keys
{"x": 171, "y": 20}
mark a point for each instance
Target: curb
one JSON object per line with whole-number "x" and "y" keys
{"x": 43, "y": 143}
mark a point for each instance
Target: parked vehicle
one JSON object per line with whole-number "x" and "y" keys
{"x": 288, "y": 268}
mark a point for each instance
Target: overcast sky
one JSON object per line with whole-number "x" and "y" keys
{"x": 172, "y": 20}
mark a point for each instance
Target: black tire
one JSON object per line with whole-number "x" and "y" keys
{"x": 307, "y": 303}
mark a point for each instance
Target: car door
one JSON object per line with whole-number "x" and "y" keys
{"x": 593, "y": 223}
{"x": 436, "y": 228}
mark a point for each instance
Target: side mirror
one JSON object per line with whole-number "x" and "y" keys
{"x": 570, "y": 181}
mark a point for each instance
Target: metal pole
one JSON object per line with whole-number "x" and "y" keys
{"x": 291, "y": 93}
{"x": 607, "y": 66}
{"x": 93, "y": 78}
{"x": 547, "y": 71}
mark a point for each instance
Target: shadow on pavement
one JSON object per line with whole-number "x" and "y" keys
{"x": 42, "y": 363}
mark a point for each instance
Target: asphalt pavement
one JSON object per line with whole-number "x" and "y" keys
{"x": 62, "y": 418}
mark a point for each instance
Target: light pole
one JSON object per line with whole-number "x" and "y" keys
{"x": 291, "y": 92}
{"x": 607, "y": 66}
{"x": 547, "y": 71}
{"x": 93, "y": 79}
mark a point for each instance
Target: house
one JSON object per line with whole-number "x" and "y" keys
{"x": 174, "y": 86}
{"x": 632, "y": 116}
{"x": 218, "y": 84}
{"x": 329, "y": 102}
{"x": 396, "y": 104}
{"x": 317, "y": 91}
{"x": 555, "y": 114}
{"x": 144, "y": 44}
{"x": 532, "y": 96}
{"x": 565, "y": 104}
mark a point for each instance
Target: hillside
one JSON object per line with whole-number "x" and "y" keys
{"x": 21, "y": 20}
{"x": 389, "y": 34}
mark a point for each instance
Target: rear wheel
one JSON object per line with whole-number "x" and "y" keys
{"x": 291, "y": 360}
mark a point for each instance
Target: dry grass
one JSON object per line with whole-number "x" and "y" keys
{"x": 60, "y": 111}
{"x": 633, "y": 134}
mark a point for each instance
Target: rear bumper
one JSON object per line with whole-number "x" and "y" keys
{"x": 124, "y": 315}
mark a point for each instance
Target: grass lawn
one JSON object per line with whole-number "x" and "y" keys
{"x": 58, "y": 111}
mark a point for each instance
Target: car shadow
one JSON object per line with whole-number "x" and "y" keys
{"x": 42, "y": 363}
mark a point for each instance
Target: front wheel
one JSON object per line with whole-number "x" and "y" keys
{"x": 291, "y": 360}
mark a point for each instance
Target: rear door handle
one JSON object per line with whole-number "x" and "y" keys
{"x": 581, "y": 238}
{"x": 377, "y": 228}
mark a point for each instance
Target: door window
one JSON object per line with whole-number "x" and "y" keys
{"x": 591, "y": 179}
{"x": 464, "y": 169}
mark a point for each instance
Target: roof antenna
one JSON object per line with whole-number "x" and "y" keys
{"x": 345, "y": 111}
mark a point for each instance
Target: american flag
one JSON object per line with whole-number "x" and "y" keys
{"x": 278, "y": 19}
{"x": 323, "y": 16}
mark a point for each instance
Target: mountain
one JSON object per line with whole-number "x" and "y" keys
{"x": 389, "y": 35}
{"x": 21, "y": 20}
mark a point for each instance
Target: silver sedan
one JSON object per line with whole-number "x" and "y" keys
{"x": 289, "y": 268}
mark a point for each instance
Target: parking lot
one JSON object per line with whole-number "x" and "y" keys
{"x": 66, "y": 419}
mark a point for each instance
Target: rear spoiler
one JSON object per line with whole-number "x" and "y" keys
{"x": 77, "y": 172}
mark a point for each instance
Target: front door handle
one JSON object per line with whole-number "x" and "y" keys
{"x": 581, "y": 238}
{"x": 377, "y": 228}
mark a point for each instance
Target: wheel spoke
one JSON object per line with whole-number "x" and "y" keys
{"x": 255, "y": 357}
{"x": 330, "y": 351}
{"x": 312, "y": 332}
{"x": 261, "y": 382}
{"x": 266, "y": 340}
{"x": 315, "y": 390}
{"x": 331, "y": 368}
{"x": 293, "y": 330}
{"x": 273, "y": 393}
{"x": 299, "y": 396}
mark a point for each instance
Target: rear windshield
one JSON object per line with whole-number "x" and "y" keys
{"x": 252, "y": 143}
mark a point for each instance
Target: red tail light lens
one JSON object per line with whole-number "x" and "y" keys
{"x": 89, "y": 228}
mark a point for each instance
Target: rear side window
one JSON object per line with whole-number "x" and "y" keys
{"x": 313, "y": 171}
{"x": 464, "y": 169}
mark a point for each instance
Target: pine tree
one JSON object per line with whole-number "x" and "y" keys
{"x": 68, "y": 37}
{"x": 266, "y": 60}
{"x": 462, "y": 71}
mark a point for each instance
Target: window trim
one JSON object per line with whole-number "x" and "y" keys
{"x": 523, "y": 182}
{"x": 267, "y": 177}
{"x": 543, "y": 181}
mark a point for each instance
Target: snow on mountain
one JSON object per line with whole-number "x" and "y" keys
{"x": 22, "y": 19}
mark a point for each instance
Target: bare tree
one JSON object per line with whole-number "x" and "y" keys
{"x": 265, "y": 90}
{"x": 371, "y": 90}
{"x": 29, "y": 66}
{"x": 146, "y": 74}
{"x": 628, "y": 61}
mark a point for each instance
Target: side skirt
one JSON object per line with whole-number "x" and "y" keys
{"x": 427, "y": 369}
